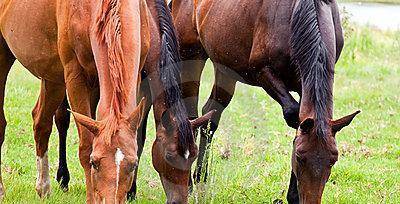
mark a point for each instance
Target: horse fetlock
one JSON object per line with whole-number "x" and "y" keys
{"x": 43, "y": 178}
{"x": 43, "y": 188}
{"x": 63, "y": 177}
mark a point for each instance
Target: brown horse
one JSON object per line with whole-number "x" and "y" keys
{"x": 281, "y": 46}
{"x": 174, "y": 149}
{"x": 95, "y": 50}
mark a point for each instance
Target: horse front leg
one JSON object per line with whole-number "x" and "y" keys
{"x": 141, "y": 132}
{"x": 275, "y": 87}
{"x": 51, "y": 96}
{"x": 6, "y": 61}
{"x": 221, "y": 95}
{"x": 192, "y": 67}
{"x": 293, "y": 194}
{"x": 79, "y": 95}
{"x": 62, "y": 120}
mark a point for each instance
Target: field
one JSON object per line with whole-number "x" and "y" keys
{"x": 250, "y": 164}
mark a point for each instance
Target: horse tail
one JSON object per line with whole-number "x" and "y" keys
{"x": 170, "y": 67}
{"x": 310, "y": 55}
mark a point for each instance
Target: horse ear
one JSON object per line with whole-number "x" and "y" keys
{"x": 87, "y": 122}
{"x": 338, "y": 124}
{"x": 196, "y": 123}
{"x": 137, "y": 115}
{"x": 307, "y": 125}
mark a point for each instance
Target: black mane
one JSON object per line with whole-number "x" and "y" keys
{"x": 310, "y": 55}
{"x": 170, "y": 66}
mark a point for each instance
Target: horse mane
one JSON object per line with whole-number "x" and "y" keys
{"x": 170, "y": 66}
{"x": 310, "y": 55}
{"x": 108, "y": 31}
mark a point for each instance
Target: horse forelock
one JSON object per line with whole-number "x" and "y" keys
{"x": 108, "y": 31}
{"x": 108, "y": 129}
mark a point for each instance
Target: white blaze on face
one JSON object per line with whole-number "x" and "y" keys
{"x": 119, "y": 156}
{"x": 187, "y": 154}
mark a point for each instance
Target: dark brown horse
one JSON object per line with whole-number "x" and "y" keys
{"x": 281, "y": 46}
{"x": 174, "y": 149}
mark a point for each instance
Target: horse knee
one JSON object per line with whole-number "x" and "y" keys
{"x": 42, "y": 133}
{"x": 62, "y": 121}
{"x": 41, "y": 129}
{"x": 291, "y": 115}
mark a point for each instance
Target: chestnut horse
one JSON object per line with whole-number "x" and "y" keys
{"x": 95, "y": 50}
{"x": 281, "y": 46}
{"x": 174, "y": 149}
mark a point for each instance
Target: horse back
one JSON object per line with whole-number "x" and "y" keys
{"x": 246, "y": 33}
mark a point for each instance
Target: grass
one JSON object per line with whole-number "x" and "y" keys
{"x": 257, "y": 169}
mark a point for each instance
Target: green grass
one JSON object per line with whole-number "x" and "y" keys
{"x": 253, "y": 131}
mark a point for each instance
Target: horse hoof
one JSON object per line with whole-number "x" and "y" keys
{"x": 291, "y": 116}
{"x": 43, "y": 189}
{"x": 63, "y": 178}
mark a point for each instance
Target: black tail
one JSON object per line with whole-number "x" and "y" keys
{"x": 310, "y": 55}
{"x": 170, "y": 66}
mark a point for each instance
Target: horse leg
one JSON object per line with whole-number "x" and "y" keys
{"x": 293, "y": 195}
{"x": 141, "y": 133}
{"x": 190, "y": 78}
{"x": 62, "y": 120}
{"x": 190, "y": 84}
{"x": 6, "y": 61}
{"x": 278, "y": 91}
{"x": 79, "y": 96}
{"x": 221, "y": 95}
{"x": 51, "y": 96}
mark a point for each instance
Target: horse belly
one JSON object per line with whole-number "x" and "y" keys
{"x": 30, "y": 30}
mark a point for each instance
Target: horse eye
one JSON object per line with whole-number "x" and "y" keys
{"x": 95, "y": 164}
{"x": 170, "y": 156}
{"x": 132, "y": 166}
{"x": 332, "y": 162}
{"x": 300, "y": 160}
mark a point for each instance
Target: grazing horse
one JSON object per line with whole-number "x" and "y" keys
{"x": 174, "y": 149}
{"x": 95, "y": 50}
{"x": 281, "y": 46}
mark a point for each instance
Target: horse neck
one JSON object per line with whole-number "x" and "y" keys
{"x": 308, "y": 108}
{"x": 116, "y": 44}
